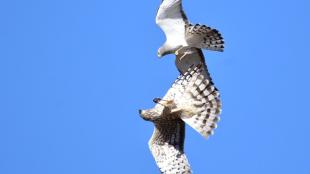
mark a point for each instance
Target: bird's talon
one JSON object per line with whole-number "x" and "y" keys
{"x": 156, "y": 100}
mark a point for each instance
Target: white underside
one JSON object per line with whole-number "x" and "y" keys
{"x": 174, "y": 30}
{"x": 171, "y": 21}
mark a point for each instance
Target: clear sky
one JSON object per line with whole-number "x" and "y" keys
{"x": 73, "y": 74}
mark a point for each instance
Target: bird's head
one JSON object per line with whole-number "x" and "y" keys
{"x": 153, "y": 114}
{"x": 162, "y": 51}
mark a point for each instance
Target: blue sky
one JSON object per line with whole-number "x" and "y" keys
{"x": 74, "y": 73}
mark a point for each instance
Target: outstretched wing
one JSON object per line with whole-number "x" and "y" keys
{"x": 167, "y": 145}
{"x": 198, "y": 99}
{"x": 172, "y": 19}
{"x": 202, "y": 36}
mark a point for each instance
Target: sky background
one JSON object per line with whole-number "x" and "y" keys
{"x": 73, "y": 74}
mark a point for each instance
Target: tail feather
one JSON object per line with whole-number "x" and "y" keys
{"x": 202, "y": 36}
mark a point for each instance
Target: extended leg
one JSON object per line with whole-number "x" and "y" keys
{"x": 181, "y": 50}
{"x": 186, "y": 50}
{"x": 165, "y": 103}
{"x": 185, "y": 54}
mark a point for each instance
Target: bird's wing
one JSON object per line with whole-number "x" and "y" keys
{"x": 202, "y": 36}
{"x": 199, "y": 106}
{"x": 167, "y": 145}
{"x": 198, "y": 99}
{"x": 172, "y": 19}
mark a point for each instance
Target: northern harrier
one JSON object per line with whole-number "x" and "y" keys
{"x": 192, "y": 99}
{"x": 181, "y": 34}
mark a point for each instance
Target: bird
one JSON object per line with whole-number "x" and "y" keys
{"x": 192, "y": 99}
{"x": 167, "y": 141}
{"x": 181, "y": 34}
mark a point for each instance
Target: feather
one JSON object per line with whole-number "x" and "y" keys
{"x": 195, "y": 100}
{"x": 202, "y": 36}
{"x": 199, "y": 101}
{"x": 167, "y": 147}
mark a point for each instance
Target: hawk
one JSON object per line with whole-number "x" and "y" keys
{"x": 181, "y": 34}
{"x": 192, "y": 99}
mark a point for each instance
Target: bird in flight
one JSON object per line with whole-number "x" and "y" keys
{"x": 192, "y": 99}
{"x": 181, "y": 35}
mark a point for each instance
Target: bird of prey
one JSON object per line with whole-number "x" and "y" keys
{"x": 192, "y": 99}
{"x": 181, "y": 34}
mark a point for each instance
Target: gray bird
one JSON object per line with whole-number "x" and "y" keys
{"x": 181, "y": 34}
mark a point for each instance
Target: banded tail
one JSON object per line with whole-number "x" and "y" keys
{"x": 202, "y": 36}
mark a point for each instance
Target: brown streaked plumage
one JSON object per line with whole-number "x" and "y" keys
{"x": 192, "y": 99}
